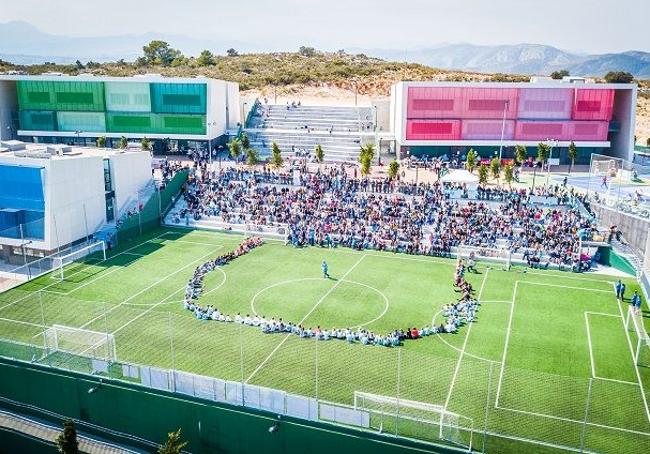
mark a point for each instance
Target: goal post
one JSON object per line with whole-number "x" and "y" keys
{"x": 416, "y": 419}
{"x": 640, "y": 338}
{"x": 80, "y": 342}
{"x": 478, "y": 253}
{"x": 59, "y": 263}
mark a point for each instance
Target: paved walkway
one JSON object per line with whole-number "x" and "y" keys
{"x": 45, "y": 432}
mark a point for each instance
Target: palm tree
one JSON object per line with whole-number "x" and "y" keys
{"x": 234, "y": 147}
{"x": 276, "y": 155}
{"x": 252, "y": 156}
{"x": 508, "y": 174}
{"x": 573, "y": 154}
{"x": 101, "y": 142}
{"x": 520, "y": 154}
{"x": 145, "y": 143}
{"x": 123, "y": 144}
{"x": 245, "y": 141}
{"x": 470, "y": 162}
{"x": 542, "y": 152}
{"x": 320, "y": 154}
{"x": 495, "y": 168}
{"x": 67, "y": 440}
{"x": 393, "y": 169}
{"x": 482, "y": 174}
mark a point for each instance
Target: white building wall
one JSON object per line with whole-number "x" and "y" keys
{"x": 75, "y": 205}
{"x": 131, "y": 172}
{"x": 234, "y": 112}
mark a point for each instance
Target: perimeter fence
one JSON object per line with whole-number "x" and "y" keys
{"x": 469, "y": 402}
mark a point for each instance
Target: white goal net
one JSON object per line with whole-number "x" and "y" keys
{"x": 478, "y": 253}
{"x": 80, "y": 342}
{"x": 640, "y": 337}
{"x": 415, "y": 419}
{"x": 94, "y": 252}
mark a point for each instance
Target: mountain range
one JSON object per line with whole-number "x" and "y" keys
{"x": 22, "y": 43}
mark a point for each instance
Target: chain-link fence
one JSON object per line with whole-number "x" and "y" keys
{"x": 468, "y": 402}
{"x": 147, "y": 207}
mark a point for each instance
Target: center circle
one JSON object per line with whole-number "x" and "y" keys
{"x": 314, "y": 302}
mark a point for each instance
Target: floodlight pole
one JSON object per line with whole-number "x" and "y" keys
{"x": 503, "y": 128}
{"x": 551, "y": 143}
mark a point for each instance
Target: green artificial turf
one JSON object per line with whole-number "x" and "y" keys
{"x": 560, "y": 335}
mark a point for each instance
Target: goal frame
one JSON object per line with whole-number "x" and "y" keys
{"x": 486, "y": 254}
{"x": 437, "y": 410}
{"x": 643, "y": 339}
{"x": 59, "y": 263}
{"x": 104, "y": 338}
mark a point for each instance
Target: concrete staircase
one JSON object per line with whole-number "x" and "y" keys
{"x": 339, "y": 130}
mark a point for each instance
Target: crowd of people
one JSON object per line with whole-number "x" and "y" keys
{"x": 194, "y": 287}
{"x": 330, "y": 208}
{"x": 455, "y": 314}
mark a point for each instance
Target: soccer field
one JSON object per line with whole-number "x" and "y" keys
{"x": 549, "y": 359}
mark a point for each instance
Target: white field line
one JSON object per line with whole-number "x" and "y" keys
{"x": 441, "y": 337}
{"x": 462, "y": 351}
{"x": 304, "y": 318}
{"x": 591, "y": 353}
{"x": 164, "y": 301}
{"x": 505, "y": 348}
{"x": 77, "y": 272}
{"x": 588, "y": 289}
{"x": 559, "y": 418}
{"x": 194, "y": 242}
{"x": 147, "y": 311}
{"x": 11, "y": 320}
{"x": 496, "y": 301}
{"x": 636, "y": 369}
{"x": 134, "y": 254}
{"x": 149, "y": 286}
{"x": 569, "y": 276}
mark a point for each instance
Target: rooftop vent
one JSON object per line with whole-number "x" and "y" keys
{"x": 13, "y": 145}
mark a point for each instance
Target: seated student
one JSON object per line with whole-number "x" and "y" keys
{"x": 255, "y": 321}
{"x": 414, "y": 333}
{"x": 248, "y": 320}
{"x": 238, "y": 318}
{"x": 227, "y": 319}
{"x": 364, "y": 339}
{"x": 349, "y": 337}
{"x": 394, "y": 341}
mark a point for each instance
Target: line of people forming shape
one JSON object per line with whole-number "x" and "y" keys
{"x": 456, "y": 314}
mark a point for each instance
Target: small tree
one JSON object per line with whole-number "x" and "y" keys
{"x": 482, "y": 174}
{"x": 542, "y": 152}
{"x": 234, "y": 147}
{"x": 101, "y": 142}
{"x": 145, "y": 143}
{"x": 520, "y": 154}
{"x": 252, "y": 157}
{"x": 245, "y": 141}
{"x": 573, "y": 154}
{"x": 206, "y": 58}
{"x": 393, "y": 169}
{"x": 123, "y": 143}
{"x": 173, "y": 445}
{"x": 647, "y": 142}
{"x": 320, "y": 153}
{"x": 276, "y": 155}
{"x": 495, "y": 168}
{"x": 367, "y": 150}
{"x": 470, "y": 162}
{"x": 67, "y": 441}
{"x": 508, "y": 174}
{"x": 559, "y": 74}
{"x": 232, "y": 52}
{"x": 618, "y": 77}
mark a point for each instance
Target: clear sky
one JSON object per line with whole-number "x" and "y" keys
{"x": 593, "y": 26}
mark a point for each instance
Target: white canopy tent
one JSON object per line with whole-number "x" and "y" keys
{"x": 461, "y": 176}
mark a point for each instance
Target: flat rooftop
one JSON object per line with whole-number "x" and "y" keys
{"x": 61, "y": 152}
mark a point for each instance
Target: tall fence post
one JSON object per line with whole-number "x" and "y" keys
{"x": 241, "y": 363}
{"x": 316, "y": 370}
{"x": 171, "y": 349}
{"x": 399, "y": 379}
{"x": 584, "y": 424}
{"x": 487, "y": 407}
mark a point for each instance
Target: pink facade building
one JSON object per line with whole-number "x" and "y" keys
{"x": 448, "y": 117}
